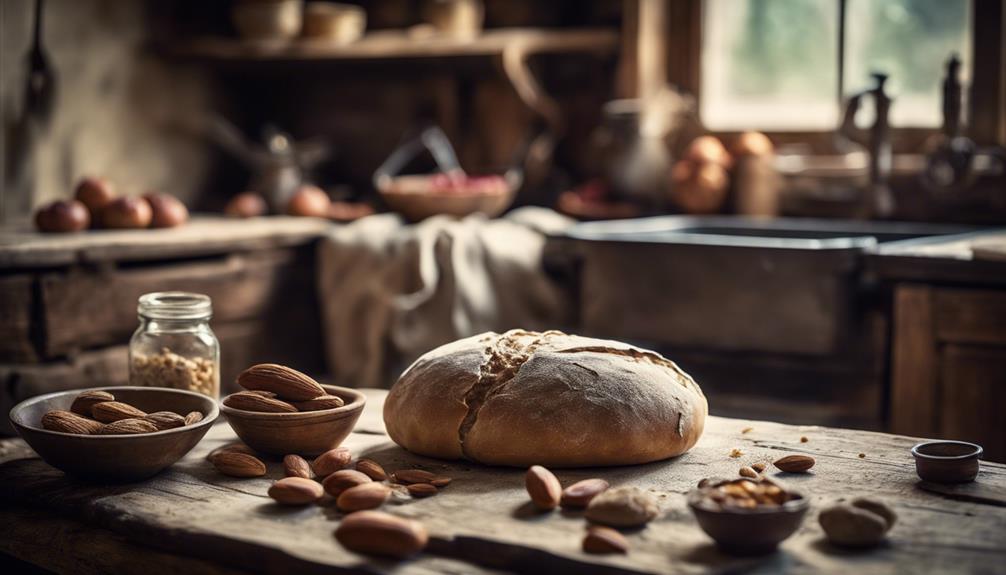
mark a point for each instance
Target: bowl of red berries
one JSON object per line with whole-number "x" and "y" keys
{"x": 457, "y": 194}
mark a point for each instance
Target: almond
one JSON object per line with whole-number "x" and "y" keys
{"x": 193, "y": 417}
{"x": 247, "y": 401}
{"x": 110, "y": 411}
{"x": 378, "y": 533}
{"x": 622, "y": 507}
{"x": 407, "y": 476}
{"x": 342, "y": 480}
{"x": 441, "y": 481}
{"x": 580, "y": 493}
{"x": 331, "y": 461}
{"x": 286, "y": 383}
{"x": 421, "y": 489}
{"x": 604, "y": 540}
{"x": 83, "y": 403}
{"x": 794, "y": 463}
{"x": 296, "y": 491}
{"x": 238, "y": 464}
{"x": 165, "y": 420}
{"x": 263, "y": 393}
{"x": 366, "y": 496}
{"x": 69, "y": 422}
{"x": 543, "y": 487}
{"x": 748, "y": 472}
{"x": 319, "y": 403}
{"x": 297, "y": 466}
{"x": 372, "y": 469}
{"x": 759, "y": 467}
{"x": 232, "y": 448}
{"x": 129, "y": 426}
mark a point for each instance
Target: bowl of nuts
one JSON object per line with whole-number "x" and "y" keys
{"x": 284, "y": 411}
{"x": 747, "y": 516}
{"x": 114, "y": 433}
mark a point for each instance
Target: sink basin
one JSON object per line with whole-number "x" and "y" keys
{"x": 788, "y": 285}
{"x": 785, "y": 233}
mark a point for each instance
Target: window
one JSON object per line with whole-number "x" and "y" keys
{"x": 774, "y": 64}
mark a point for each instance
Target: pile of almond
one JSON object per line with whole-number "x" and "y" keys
{"x": 605, "y": 508}
{"x": 742, "y": 493}
{"x": 356, "y": 489}
{"x": 98, "y": 413}
{"x": 276, "y": 388}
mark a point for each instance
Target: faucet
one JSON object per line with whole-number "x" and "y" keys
{"x": 877, "y": 200}
{"x": 955, "y": 162}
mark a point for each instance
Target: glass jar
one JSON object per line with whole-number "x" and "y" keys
{"x": 174, "y": 345}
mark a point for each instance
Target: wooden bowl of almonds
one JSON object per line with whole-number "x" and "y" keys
{"x": 114, "y": 434}
{"x": 282, "y": 410}
{"x": 747, "y": 516}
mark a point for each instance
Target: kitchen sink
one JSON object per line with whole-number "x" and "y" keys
{"x": 786, "y": 233}
{"x": 786, "y": 285}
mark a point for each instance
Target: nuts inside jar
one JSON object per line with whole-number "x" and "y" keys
{"x": 168, "y": 369}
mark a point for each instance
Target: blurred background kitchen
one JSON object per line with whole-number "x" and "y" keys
{"x": 800, "y": 201}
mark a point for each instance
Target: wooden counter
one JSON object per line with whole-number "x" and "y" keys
{"x": 22, "y": 247}
{"x": 68, "y": 301}
{"x": 192, "y": 519}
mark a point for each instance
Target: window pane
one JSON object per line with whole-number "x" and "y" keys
{"x": 909, "y": 40}
{"x": 770, "y": 64}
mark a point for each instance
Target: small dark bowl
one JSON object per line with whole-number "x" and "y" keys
{"x": 755, "y": 531}
{"x": 115, "y": 458}
{"x": 303, "y": 432}
{"x": 947, "y": 461}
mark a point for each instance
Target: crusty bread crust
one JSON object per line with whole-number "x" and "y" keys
{"x": 524, "y": 398}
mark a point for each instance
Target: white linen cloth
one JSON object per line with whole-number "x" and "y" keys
{"x": 390, "y": 291}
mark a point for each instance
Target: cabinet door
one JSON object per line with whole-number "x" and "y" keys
{"x": 914, "y": 377}
{"x": 949, "y": 365}
{"x": 973, "y": 402}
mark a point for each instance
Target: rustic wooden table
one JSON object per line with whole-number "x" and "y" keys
{"x": 192, "y": 519}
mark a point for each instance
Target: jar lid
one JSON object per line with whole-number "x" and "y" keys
{"x": 175, "y": 305}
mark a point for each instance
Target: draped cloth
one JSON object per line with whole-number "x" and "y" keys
{"x": 391, "y": 291}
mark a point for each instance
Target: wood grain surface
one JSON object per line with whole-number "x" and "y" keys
{"x": 483, "y": 519}
{"x": 22, "y": 247}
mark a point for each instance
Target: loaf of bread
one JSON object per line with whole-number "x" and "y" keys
{"x": 524, "y": 398}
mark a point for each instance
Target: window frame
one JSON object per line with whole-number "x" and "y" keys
{"x": 987, "y": 92}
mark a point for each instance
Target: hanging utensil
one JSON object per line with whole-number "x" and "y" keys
{"x": 40, "y": 91}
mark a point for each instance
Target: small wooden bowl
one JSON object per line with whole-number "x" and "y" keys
{"x": 303, "y": 433}
{"x": 115, "y": 458}
{"x": 947, "y": 461}
{"x": 408, "y": 196}
{"x": 755, "y": 531}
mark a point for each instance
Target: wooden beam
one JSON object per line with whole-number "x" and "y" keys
{"x": 988, "y": 84}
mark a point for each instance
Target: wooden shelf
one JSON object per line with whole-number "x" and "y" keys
{"x": 397, "y": 44}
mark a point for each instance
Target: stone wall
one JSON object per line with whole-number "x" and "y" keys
{"x": 121, "y": 111}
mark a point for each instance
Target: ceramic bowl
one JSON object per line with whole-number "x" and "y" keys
{"x": 947, "y": 461}
{"x": 115, "y": 458}
{"x": 305, "y": 432}
{"x": 268, "y": 20}
{"x": 748, "y": 531}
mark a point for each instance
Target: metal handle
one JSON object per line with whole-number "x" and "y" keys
{"x": 431, "y": 139}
